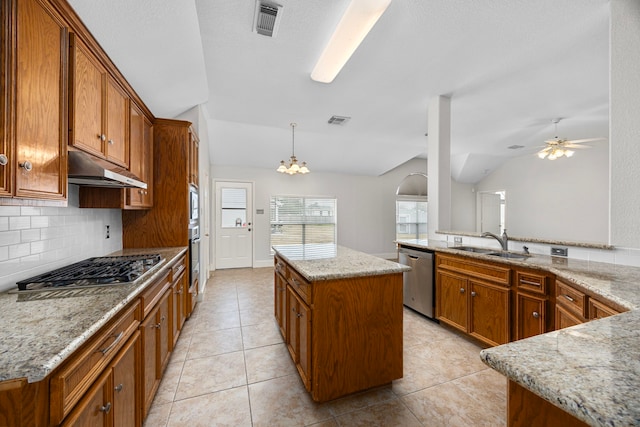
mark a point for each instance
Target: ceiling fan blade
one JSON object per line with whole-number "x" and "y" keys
{"x": 580, "y": 141}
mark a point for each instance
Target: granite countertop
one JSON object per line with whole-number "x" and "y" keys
{"x": 592, "y": 370}
{"x": 316, "y": 262}
{"x": 40, "y": 329}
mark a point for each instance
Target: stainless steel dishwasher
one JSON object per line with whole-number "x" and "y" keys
{"x": 418, "y": 286}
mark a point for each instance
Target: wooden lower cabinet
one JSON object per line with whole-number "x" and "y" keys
{"x": 531, "y": 315}
{"x": 526, "y": 409}
{"x": 565, "y": 318}
{"x": 155, "y": 331}
{"x": 112, "y": 400}
{"x": 344, "y": 335}
{"x": 299, "y": 332}
{"x": 179, "y": 291}
{"x": 473, "y": 297}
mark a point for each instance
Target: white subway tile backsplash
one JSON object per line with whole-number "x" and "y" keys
{"x": 34, "y": 240}
{"x": 19, "y": 222}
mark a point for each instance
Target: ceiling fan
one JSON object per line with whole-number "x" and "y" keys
{"x": 558, "y": 147}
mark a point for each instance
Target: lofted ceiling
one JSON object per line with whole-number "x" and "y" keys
{"x": 509, "y": 66}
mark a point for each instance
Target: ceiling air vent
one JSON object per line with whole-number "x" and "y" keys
{"x": 515, "y": 147}
{"x": 338, "y": 120}
{"x": 267, "y": 18}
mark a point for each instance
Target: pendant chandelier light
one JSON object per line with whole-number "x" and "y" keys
{"x": 293, "y": 167}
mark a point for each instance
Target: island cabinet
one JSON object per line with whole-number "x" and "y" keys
{"x": 532, "y": 301}
{"x": 33, "y": 104}
{"x": 343, "y": 334}
{"x": 473, "y": 296}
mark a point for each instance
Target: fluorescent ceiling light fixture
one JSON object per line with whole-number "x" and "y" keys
{"x": 357, "y": 21}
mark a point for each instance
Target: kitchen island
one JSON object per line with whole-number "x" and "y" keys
{"x": 588, "y": 374}
{"x": 340, "y": 314}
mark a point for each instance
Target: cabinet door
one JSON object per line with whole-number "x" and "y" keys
{"x": 149, "y": 358}
{"x": 179, "y": 305}
{"x": 193, "y": 159}
{"x": 531, "y": 316}
{"x": 451, "y": 305}
{"x": 299, "y": 330}
{"x": 86, "y": 103}
{"x": 117, "y": 118}
{"x": 164, "y": 333}
{"x": 40, "y": 158}
{"x": 291, "y": 318}
{"x": 125, "y": 397}
{"x": 280, "y": 296}
{"x": 598, "y": 310}
{"x": 6, "y": 169}
{"x": 94, "y": 410}
{"x": 489, "y": 312}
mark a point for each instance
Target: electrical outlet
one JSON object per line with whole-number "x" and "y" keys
{"x": 457, "y": 240}
{"x": 556, "y": 251}
{"x": 106, "y": 231}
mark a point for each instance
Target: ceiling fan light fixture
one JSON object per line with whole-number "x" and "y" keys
{"x": 355, "y": 24}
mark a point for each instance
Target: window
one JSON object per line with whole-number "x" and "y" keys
{"x": 233, "y": 208}
{"x": 302, "y": 220}
{"x": 411, "y": 219}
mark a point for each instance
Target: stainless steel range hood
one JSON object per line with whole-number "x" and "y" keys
{"x": 88, "y": 170}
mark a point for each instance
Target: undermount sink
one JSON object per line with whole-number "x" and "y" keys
{"x": 508, "y": 255}
{"x": 473, "y": 249}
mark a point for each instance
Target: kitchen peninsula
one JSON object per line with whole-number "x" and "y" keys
{"x": 340, "y": 314}
{"x": 587, "y": 374}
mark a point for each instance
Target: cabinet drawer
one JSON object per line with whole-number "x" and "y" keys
{"x": 598, "y": 310}
{"x": 152, "y": 294}
{"x": 478, "y": 269}
{"x": 281, "y": 267}
{"x": 570, "y": 298}
{"x": 178, "y": 268}
{"x": 531, "y": 282}
{"x": 300, "y": 284}
{"x": 75, "y": 377}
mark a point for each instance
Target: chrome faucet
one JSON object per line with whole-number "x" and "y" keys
{"x": 504, "y": 240}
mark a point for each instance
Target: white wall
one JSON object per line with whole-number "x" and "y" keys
{"x": 563, "y": 199}
{"x": 625, "y": 122}
{"x": 35, "y": 240}
{"x": 463, "y": 206}
{"x": 365, "y": 206}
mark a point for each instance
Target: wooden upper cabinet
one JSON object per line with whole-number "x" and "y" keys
{"x": 34, "y": 98}
{"x": 99, "y": 108}
{"x": 140, "y": 159}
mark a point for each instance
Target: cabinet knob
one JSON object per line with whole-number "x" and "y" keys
{"x": 462, "y": 290}
{"x": 118, "y": 388}
{"x": 106, "y": 408}
{"x": 536, "y": 314}
{"x": 3, "y": 160}
{"x": 110, "y": 142}
{"x": 26, "y": 165}
{"x": 102, "y": 137}
{"x": 473, "y": 293}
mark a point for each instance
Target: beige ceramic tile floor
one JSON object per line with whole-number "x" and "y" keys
{"x": 231, "y": 368}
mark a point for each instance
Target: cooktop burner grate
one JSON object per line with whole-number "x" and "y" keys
{"x": 94, "y": 271}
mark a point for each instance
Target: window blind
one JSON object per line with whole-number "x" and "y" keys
{"x": 302, "y": 220}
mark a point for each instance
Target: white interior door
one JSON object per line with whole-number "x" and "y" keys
{"x": 234, "y": 224}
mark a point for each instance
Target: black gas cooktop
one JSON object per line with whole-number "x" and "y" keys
{"x": 98, "y": 271}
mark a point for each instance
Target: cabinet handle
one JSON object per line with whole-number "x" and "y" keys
{"x": 473, "y": 293}
{"x": 568, "y": 297}
{"x": 179, "y": 291}
{"x": 110, "y": 142}
{"x": 158, "y": 325}
{"x": 26, "y": 165}
{"x": 462, "y": 290}
{"x": 536, "y": 314}
{"x": 299, "y": 315}
{"x": 106, "y": 408}
{"x": 529, "y": 282}
{"x": 113, "y": 344}
{"x": 118, "y": 388}
{"x": 3, "y": 160}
